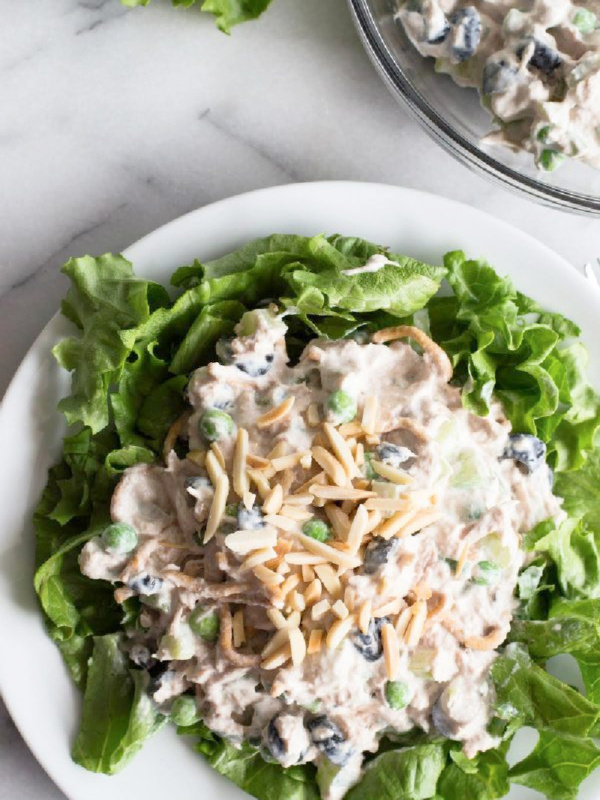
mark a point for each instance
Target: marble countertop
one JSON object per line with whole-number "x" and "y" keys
{"x": 115, "y": 121}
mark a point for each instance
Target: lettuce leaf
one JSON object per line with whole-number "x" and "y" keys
{"x": 410, "y": 773}
{"x": 227, "y": 12}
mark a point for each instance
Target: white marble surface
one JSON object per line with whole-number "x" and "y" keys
{"x": 114, "y": 121}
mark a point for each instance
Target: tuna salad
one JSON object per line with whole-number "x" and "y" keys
{"x": 330, "y": 518}
{"x": 536, "y": 64}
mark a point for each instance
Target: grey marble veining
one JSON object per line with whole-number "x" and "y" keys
{"x": 114, "y": 121}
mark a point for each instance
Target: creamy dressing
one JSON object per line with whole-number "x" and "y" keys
{"x": 373, "y": 264}
{"x": 536, "y": 64}
{"x": 331, "y": 708}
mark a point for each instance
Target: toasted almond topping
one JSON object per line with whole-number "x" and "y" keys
{"x": 340, "y": 492}
{"x": 312, "y": 415}
{"x": 364, "y": 616}
{"x": 341, "y": 450}
{"x": 276, "y": 414}
{"x": 358, "y": 529}
{"x": 389, "y": 609}
{"x": 293, "y": 619}
{"x": 329, "y": 579}
{"x": 402, "y": 622}
{"x": 348, "y": 506}
{"x": 284, "y": 546}
{"x": 296, "y": 601}
{"x": 350, "y": 429}
{"x": 331, "y": 465}
{"x": 296, "y": 512}
{"x": 283, "y": 568}
{"x": 394, "y": 524}
{"x": 257, "y": 461}
{"x": 313, "y": 591}
{"x": 287, "y": 479}
{"x": 417, "y": 623}
{"x": 421, "y": 591}
{"x": 301, "y": 558}
{"x": 314, "y": 641}
{"x": 239, "y": 633}
{"x": 286, "y": 462}
{"x": 260, "y": 481}
{"x": 306, "y": 461}
{"x": 174, "y": 433}
{"x": 219, "y": 454}
{"x": 372, "y": 439}
{"x": 298, "y": 646}
{"x": 398, "y": 476}
{"x": 281, "y": 522}
{"x": 197, "y": 457}
{"x": 384, "y": 585}
{"x": 308, "y": 573}
{"x": 359, "y": 455}
{"x": 278, "y": 658}
{"x": 248, "y": 500}
{"x": 490, "y": 641}
{"x": 349, "y": 598}
{"x": 273, "y": 501}
{"x": 462, "y": 559}
{"x": 277, "y": 618}
{"x": 289, "y": 584}
{"x": 421, "y": 520}
{"x": 330, "y": 553}
{"x": 370, "y": 414}
{"x": 277, "y": 641}
{"x": 374, "y": 520}
{"x": 339, "y": 521}
{"x": 304, "y": 499}
{"x": 391, "y": 650}
{"x": 320, "y": 479}
{"x": 388, "y": 503}
{"x": 217, "y": 508}
{"x": 240, "y": 477}
{"x": 340, "y": 609}
{"x": 213, "y": 467}
{"x": 243, "y": 542}
{"x": 259, "y": 557}
{"x": 438, "y": 355}
{"x": 267, "y": 576}
{"x": 320, "y": 609}
{"x": 280, "y": 449}
{"x": 338, "y": 631}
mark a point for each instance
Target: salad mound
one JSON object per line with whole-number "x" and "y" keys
{"x": 448, "y": 583}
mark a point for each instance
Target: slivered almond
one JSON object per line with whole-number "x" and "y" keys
{"x": 391, "y": 651}
{"x": 349, "y": 598}
{"x": 213, "y": 467}
{"x": 339, "y": 521}
{"x": 330, "y": 553}
{"x": 304, "y": 499}
{"x": 402, "y": 622}
{"x": 393, "y": 474}
{"x": 297, "y": 646}
{"x": 276, "y": 414}
{"x": 286, "y": 462}
{"x": 384, "y": 585}
{"x": 278, "y": 658}
{"x": 244, "y": 542}
{"x": 281, "y": 522}
{"x": 217, "y": 508}
{"x": 394, "y": 524}
{"x": 462, "y": 559}
{"x": 372, "y": 439}
{"x": 283, "y": 568}
{"x": 295, "y": 512}
{"x": 240, "y": 477}
{"x": 330, "y": 465}
{"x": 338, "y": 631}
{"x": 329, "y": 579}
{"x": 490, "y": 641}
{"x": 320, "y": 609}
{"x": 416, "y": 625}
{"x": 219, "y": 454}
{"x": 314, "y": 641}
{"x": 387, "y": 504}
{"x": 340, "y": 609}
{"x": 259, "y": 557}
{"x": 197, "y": 457}
{"x": 248, "y": 500}
{"x": 364, "y": 616}
{"x": 306, "y": 461}
{"x": 261, "y": 482}
{"x": 308, "y": 573}
{"x": 370, "y": 414}
{"x": 341, "y": 450}
{"x": 273, "y": 501}
{"x": 302, "y": 558}
{"x": 276, "y": 642}
{"x": 286, "y": 480}
{"x": 350, "y": 429}
{"x": 374, "y": 520}
{"x": 239, "y": 632}
{"x": 421, "y": 520}
{"x": 296, "y": 601}
{"x": 312, "y": 415}
{"x": 257, "y": 461}
{"x": 359, "y": 456}
{"x": 358, "y": 529}
{"x": 312, "y": 593}
{"x": 289, "y": 584}
{"x": 267, "y": 576}
{"x": 277, "y": 618}
{"x": 389, "y": 609}
{"x": 340, "y": 492}
{"x": 293, "y": 619}
{"x": 348, "y": 506}
{"x": 280, "y": 449}
{"x": 319, "y": 479}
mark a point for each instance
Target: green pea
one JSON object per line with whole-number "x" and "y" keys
{"x": 550, "y": 160}
{"x": 342, "y": 406}
{"x": 487, "y": 574}
{"x": 585, "y": 20}
{"x": 231, "y": 509}
{"x": 119, "y": 538}
{"x": 215, "y": 424}
{"x": 317, "y": 529}
{"x": 397, "y": 694}
{"x": 184, "y": 711}
{"x": 204, "y": 624}
{"x": 368, "y": 467}
{"x": 543, "y": 133}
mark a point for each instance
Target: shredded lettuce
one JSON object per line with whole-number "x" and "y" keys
{"x": 130, "y": 356}
{"x": 227, "y": 13}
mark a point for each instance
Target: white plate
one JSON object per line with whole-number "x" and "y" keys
{"x": 34, "y": 683}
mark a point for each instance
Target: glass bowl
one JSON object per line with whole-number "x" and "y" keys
{"x": 454, "y": 117}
